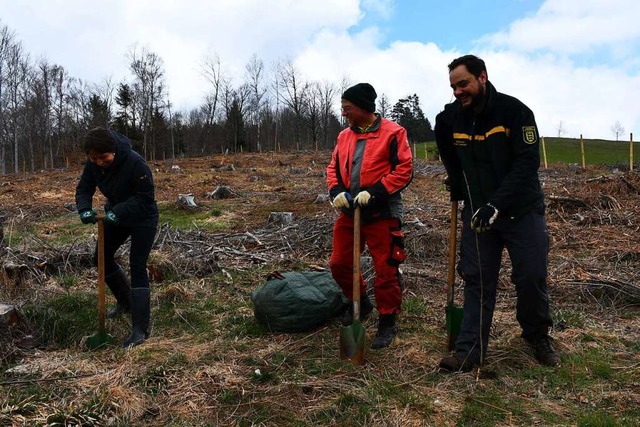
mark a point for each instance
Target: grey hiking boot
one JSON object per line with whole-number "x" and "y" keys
{"x": 543, "y": 351}
{"x": 365, "y": 309}
{"x": 386, "y": 331}
{"x": 455, "y": 363}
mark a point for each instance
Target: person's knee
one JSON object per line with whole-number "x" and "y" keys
{"x": 338, "y": 267}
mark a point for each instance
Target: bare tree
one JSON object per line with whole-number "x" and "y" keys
{"x": 617, "y": 129}
{"x": 212, "y": 70}
{"x": 255, "y": 77}
{"x": 17, "y": 72}
{"x": 147, "y": 67}
{"x": 235, "y": 106}
{"x": 105, "y": 91}
{"x": 275, "y": 88}
{"x": 45, "y": 86}
{"x": 6, "y": 41}
{"x": 328, "y": 92}
{"x": 313, "y": 100}
{"x": 78, "y": 105}
{"x": 384, "y": 106}
{"x": 294, "y": 90}
{"x": 61, "y": 87}
{"x": 562, "y": 131}
{"x": 345, "y": 83}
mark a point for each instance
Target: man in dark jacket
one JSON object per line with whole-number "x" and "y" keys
{"x": 488, "y": 142}
{"x": 124, "y": 178}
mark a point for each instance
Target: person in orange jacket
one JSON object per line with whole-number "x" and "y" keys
{"x": 370, "y": 166}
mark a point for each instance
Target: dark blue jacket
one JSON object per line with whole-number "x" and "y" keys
{"x": 492, "y": 156}
{"x": 127, "y": 185}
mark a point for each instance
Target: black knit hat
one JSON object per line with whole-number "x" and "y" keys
{"x": 362, "y": 95}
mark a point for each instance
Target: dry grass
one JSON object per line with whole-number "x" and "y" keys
{"x": 208, "y": 363}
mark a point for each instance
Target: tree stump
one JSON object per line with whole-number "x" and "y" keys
{"x": 12, "y": 275}
{"x": 221, "y": 192}
{"x": 187, "y": 201}
{"x": 283, "y": 218}
{"x": 8, "y": 315}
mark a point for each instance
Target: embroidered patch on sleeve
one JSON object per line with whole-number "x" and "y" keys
{"x": 529, "y": 134}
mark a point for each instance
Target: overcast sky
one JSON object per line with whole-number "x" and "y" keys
{"x": 571, "y": 61}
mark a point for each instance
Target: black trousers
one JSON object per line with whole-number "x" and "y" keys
{"x": 527, "y": 243}
{"x": 142, "y": 238}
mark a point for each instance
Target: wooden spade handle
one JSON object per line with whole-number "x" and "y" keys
{"x": 101, "y": 279}
{"x": 451, "y": 277}
{"x": 356, "y": 263}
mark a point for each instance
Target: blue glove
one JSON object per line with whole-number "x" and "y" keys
{"x": 111, "y": 218}
{"x": 88, "y": 216}
{"x": 342, "y": 201}
{"x": 483, "y": 218}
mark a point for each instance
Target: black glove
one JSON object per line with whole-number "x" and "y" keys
{"x": 483, "y": 218}
{"x": 88, "y": 216}
{"x": 111, "y": 218}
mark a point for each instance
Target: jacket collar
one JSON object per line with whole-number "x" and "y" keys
{"x": 372, "y": 128}
{"x": 489, "y": 101}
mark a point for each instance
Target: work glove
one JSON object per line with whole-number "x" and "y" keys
{"x": 483, "y": 218}
{"x": 447, "y": 183}
{"x": 88, "y": 216}
{"x": 342, "y": 201}
{"x": 454, "y": 194}
{"x": 111, "y": 218}
{"x": 363, "y": 199}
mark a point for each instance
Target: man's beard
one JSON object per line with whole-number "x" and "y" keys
{"x": 477, "y": 101}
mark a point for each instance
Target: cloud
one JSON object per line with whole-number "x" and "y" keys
{"x": 574, "y": 27}
{"x": 570, "y": 61}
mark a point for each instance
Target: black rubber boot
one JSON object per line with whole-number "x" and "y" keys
{"x": 365, "y": 309}
{"x": 140, "y": 314}
{"x": 544, "y": 352}
{"x": 386, "y": 331}
{"x": 121, "y": 289}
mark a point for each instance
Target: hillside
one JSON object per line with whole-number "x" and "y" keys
{"x": 209, "y": 363}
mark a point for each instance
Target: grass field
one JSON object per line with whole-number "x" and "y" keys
{"x": 567, "y": 150}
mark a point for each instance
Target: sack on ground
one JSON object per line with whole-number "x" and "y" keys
{"x": 297, "y": 301}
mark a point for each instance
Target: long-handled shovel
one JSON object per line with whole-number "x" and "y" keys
{"x": 453, "y": 313}
{"x": 100, "y": 338}
{"x": 352, "y": 337}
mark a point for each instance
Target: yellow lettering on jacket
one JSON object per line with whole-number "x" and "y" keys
{"x": 464, "y": 136}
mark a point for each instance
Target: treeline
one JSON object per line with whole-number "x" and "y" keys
{"x": 44, "y": 111}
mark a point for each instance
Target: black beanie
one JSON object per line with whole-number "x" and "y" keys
{"x": 362, "y": 95}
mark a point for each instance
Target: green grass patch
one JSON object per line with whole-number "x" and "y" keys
{"x": 597, "y": 419}
{"x": 66, "y": 281}
{"x": 562, "y": 150}
{"x": 65, "y": 319}
{"x": 209, "y": 219}
{"x": 490, "y": 408}
{"x": 568, "y": 318}
{"x": 597, "y": 151}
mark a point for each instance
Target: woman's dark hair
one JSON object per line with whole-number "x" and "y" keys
{"x": 474, "y": 64}
{"x": 100, "y": 140}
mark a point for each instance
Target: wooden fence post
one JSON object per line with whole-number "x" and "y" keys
{"x": 544, "y": 153}
{"x": 631, "y": 152}
{"x": 584, "y": 166}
